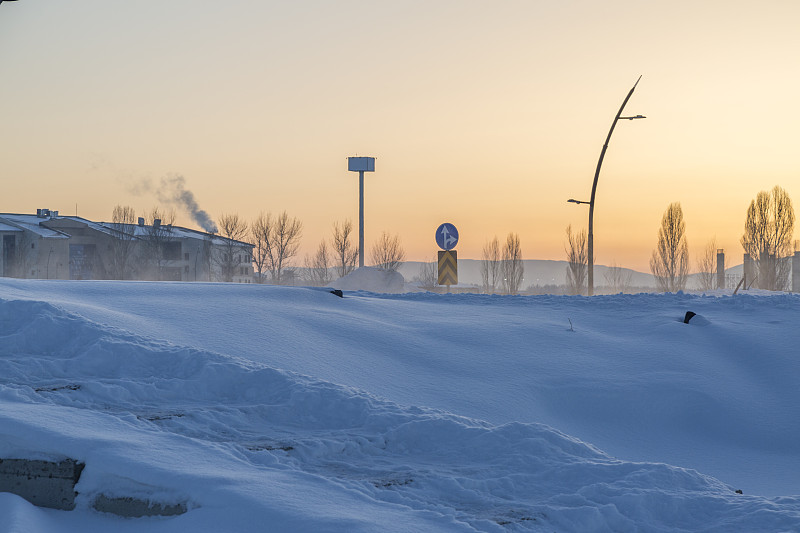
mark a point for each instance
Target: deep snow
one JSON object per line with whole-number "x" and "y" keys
{"x": 290, "y": 409}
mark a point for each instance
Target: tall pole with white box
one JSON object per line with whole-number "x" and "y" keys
{"x": 361, "y": 165}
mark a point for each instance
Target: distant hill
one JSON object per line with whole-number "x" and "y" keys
{"x": 538, "y": 272}
{"x": 545, "y": 272}
{"x": 548, "y": 275}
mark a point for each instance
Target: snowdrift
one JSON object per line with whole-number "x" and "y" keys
{"x": 245, "y": 439}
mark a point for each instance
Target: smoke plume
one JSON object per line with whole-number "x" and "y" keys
{"x": 172, "y": 190}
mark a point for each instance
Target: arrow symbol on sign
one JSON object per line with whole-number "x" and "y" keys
{"x": 447, "y": 238}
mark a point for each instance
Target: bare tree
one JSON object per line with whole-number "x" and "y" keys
{"x": 346, "y": 253}
{"x": 767, "y": 237}
{"x": 261, "y": 236}
{"x": 427, "y": 276}
{"x": 707, "y": 266}
{"x": 491, "y": 268}
{"x": 157, "y": 231}
{"x": 229, "y": 258}
{"x": 318, "y": 267}
{"x": 577, "y": 261}
{"x": 206, "y": 255}
{"x": 387, "y": 252}
{"x": 617, "y": 278}
{"x": 123, "y": 226}
{"x": 513, "y": 269}
{"x": 670, "y": 260}
{"x": 286, "y": 233}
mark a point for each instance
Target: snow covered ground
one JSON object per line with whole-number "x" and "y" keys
{"x": 290, "y": 409}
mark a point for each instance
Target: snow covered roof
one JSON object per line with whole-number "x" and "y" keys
{"x": 31, "y": 223}
{"x": 6, "y": 227}
{"x": 178, "y": 232}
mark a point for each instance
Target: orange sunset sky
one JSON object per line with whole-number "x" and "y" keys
{"x": 488, "y": 115}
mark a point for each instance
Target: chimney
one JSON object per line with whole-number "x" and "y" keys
{"x": 156, "y": 222}
{"x": 141, "y": 221}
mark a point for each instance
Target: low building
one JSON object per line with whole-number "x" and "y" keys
{"x": 49, "y": 246}
{"x": 32, "y": 250}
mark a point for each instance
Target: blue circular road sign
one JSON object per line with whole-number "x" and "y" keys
{"x": 447, "y": 236}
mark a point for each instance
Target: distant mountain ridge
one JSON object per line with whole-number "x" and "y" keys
{"x": 538, "y": 272}
{"x": 547, "y": 272}
{"x": 544, "y": 273}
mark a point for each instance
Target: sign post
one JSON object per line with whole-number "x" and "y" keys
{"x": 447, "y": 238}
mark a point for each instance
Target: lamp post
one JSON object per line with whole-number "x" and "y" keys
{"x": 590, "y": 239}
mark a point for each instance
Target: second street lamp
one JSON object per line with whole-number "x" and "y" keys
{"x": 590, "y": 237}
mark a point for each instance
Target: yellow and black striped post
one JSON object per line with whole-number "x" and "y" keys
{"x": 448, "y": 268}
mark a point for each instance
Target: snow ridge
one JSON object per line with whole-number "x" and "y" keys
{"x": 133, "y": 394}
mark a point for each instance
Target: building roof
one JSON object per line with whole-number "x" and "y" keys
{"x": 31, "y": 223}
{"x": 6, "y": 227}
{"x": 178, "y": 232}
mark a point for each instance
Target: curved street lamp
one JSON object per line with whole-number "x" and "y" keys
{"x": 590, "y": 239}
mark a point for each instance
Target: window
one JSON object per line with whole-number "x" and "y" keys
{"x": 186, "y": 258}
{"x": 172, "y": 251}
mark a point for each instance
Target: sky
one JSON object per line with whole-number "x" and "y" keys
{"x": 487, "y": 116}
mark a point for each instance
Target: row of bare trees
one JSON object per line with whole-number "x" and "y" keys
{"x": 618, "y": 279}
{"x": 148, "y": 260}
{"x": 275, "y": 239}
{"x": 767, "y": 239}
{"x": 339, "y": 257}
{"x": 502, "y": 270}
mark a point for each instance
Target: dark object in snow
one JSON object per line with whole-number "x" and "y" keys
{"x": 688, "y": 317}
{"x": 129, "y": 507}
{"x": 338, "y": 293}
{"x": 739, "y": 491}
{"x": 43, "y": 483}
